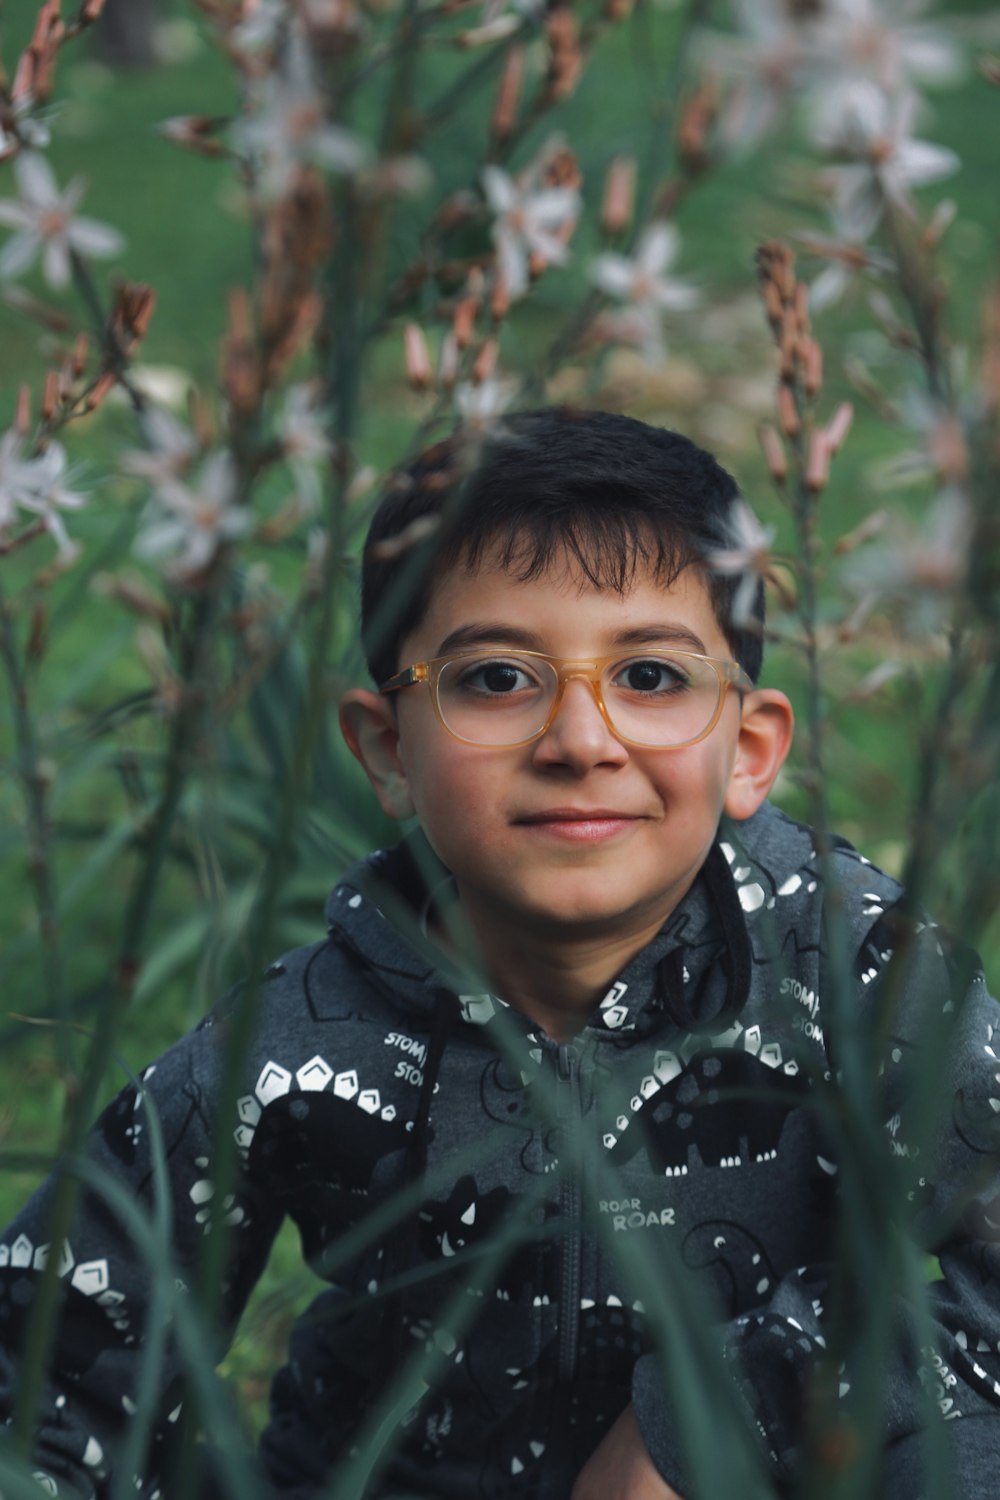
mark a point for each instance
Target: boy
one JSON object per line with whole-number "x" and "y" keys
{"x": 637, "y": 1073}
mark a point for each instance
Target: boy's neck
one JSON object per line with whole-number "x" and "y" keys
{"x": 556, "y": 982}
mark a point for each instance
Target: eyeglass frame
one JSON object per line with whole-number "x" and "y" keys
{"x": 567, "y": 668}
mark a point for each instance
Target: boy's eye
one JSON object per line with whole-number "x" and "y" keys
{"x": 498, "y": 677}
{"x": 651, "y": 674}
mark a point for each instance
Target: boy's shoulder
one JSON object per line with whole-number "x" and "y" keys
{"x": 778, "y": 862}
{"x": 374, "y": 949}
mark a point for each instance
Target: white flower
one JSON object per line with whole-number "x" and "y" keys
{"x": 12, "y": 475}
{"x": 288, "y": 128}
{"x": 35, "y": 485}
{"x": 260, "y": 27}
{"x": 186, "y": 525}
{"x": 527, "y": 221}
{"x": 847, "y": 258}
{"x": 27, "y": 131}
{"x": 638, "y": 280}
{"x": 920, "y": 569}
{"x": 749, "y": 558}
{"x": 480, "y": 405}
{"x": 305, "y": 439}
{"x": 858, "y": 42}
{"x": 763, "y": 63}
{"x": 43, "y": 219}
{"x": 877, "y": 130}
{"x": 171, "y": 451}
{"x": 43, "y": 494}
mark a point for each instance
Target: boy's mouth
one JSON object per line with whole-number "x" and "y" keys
{"x": 586, "y": 824}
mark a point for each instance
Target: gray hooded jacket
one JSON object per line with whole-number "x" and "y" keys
{"x": 505, "y": 1223}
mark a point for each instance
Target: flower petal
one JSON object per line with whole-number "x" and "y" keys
{"x": 35, "y": 180}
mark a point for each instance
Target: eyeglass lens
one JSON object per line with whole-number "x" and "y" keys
{"x": 504, "y": 699}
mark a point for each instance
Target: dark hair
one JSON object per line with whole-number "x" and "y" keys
{"x": 612, "y": 492}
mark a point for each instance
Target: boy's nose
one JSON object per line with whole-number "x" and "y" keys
{"x": 578, "y": 737}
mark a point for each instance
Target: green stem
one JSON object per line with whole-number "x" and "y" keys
{"x": 81, "y": 1105}
{"x": 40, "y": 863}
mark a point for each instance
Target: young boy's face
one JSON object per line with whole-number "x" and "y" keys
{"x": 576, "y": 832}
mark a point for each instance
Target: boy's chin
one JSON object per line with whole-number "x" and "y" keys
{"x": 576, "y": 911}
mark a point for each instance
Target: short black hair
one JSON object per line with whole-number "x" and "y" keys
{"x": 612, "y": 493}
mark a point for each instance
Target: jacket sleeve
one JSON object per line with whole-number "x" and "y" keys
{"x": 931, "y": 1034}
{"x": 110, "y": 1296}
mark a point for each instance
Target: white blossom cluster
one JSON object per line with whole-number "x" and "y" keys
{"x": 856, "y": 69}
{"x": 34, "y": 487}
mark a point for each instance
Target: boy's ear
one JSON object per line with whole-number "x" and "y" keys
{"x": 368, "y": 724}
{"x": 765, "y": 738}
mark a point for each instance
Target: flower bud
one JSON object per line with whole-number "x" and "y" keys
{"x": 101, "y": 387}
{"x": 508, "y": 94}
{"x": 788, "y": 415}
{"x": 500, "y": 298}
{"x": 869, "y": 527}
{"x": 818, "y": 463}
{"x": 486, "y": 361}
{"x": 464, "y": 320}
{"x": 802, "y": 306}
{"x": 448, "y": 360}
{"x": 619, "y": 195}
{"x": 418, "y": 363}
{"x": 22, "y": 414}
{"x": 774, "y": 452}
{"x": 812, "y": 366}
{"x": 50, "y": 395}
{"x": 839, "y": 426}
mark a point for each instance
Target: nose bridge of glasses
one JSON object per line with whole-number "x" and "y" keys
{"x": 590, "y": 670}
{"x": 573, "y": 671}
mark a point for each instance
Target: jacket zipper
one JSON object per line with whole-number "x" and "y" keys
{"x": 569, "y": 1115}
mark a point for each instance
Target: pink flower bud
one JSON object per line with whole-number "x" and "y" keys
{"x": 22, "y": 415}
{"x": 418, "y": 363}
{"x": 812, "y": 366}
{"x": 788, "y": 415}
{"x": 818, "y": 463}
{"x": 619, "y": 195}
{"x": 774, "y": 453}
{"x": 839, "y": 426}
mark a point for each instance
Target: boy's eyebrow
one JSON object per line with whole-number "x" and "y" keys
{"x": 489, "y": 634}
{"x": 498, "y": 634}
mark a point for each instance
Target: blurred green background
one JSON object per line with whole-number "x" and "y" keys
{"x": 188, "y": 236}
